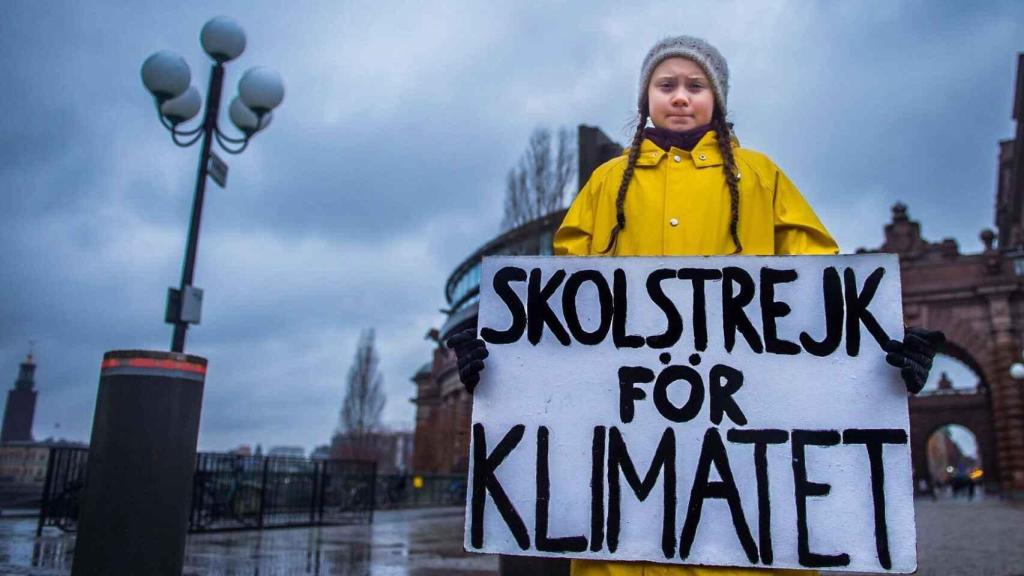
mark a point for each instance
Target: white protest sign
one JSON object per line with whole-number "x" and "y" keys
{"x": 722, "y": 411}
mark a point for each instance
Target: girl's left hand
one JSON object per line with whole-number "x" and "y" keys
{"x": 914, "y": 355}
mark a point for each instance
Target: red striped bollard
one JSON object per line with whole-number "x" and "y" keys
{"x": 134, "y": 509}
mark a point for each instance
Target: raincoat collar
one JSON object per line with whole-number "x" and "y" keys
{"x": 704, "y": 154}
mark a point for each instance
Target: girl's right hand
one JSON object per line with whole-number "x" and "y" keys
{"x": 470, "y": 352}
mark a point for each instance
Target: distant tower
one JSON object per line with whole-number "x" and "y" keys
{"x": 1010, "y": 184}
{"x": 21, "y": 405}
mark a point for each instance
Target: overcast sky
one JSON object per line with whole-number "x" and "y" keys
{"x": 384, "y": 167}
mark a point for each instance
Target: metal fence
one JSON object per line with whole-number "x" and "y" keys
{"x": 65, "y": 477}
{"x": 241, "y": 492}
{"x": 418, "y": 491}
{"x": 232, "y": 492}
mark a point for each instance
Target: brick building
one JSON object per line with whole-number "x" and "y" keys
{"x": 390, "y": 449}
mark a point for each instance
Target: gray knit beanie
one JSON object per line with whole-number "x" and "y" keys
{"x": 705, "y": 55}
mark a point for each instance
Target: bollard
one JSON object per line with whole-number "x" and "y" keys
{"x": 135, "y": 504}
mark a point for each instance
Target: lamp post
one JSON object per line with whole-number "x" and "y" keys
{"x": 167, "y": 77}
{"x": 1017, "y": 371}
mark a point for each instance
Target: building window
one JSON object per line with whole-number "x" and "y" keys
{"x": 546, "y": 239}
{"x": 469, "y": 282}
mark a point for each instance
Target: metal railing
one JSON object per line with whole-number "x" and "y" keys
{"x": 243, "y": 492}
{"x": 233, "y": 492}
{"x": 419, "y": 491}
{"x": 65, "y": 477}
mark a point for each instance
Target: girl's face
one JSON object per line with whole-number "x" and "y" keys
{"x": 679, "y": 96}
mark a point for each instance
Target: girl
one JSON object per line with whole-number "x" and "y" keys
{"x": 684, "y": 188}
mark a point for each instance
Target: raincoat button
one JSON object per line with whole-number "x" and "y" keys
{"x": 676, "y": 158}
{"x": 702, "y": 157}
{"x": 673, "y": 221}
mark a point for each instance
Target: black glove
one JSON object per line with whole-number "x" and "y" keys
{"x": 914, "y": 355}
{"x": 470, "y": 352}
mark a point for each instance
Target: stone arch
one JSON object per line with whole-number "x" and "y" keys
{"x": 980, "y": 453}
{"x": 963, "y": 342}
{"x": 968, "y": 408}
{"x": 956, "y": 351}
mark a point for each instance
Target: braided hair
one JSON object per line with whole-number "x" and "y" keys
{"x": 723, "y": 131}
{"x": 627, "y": 175}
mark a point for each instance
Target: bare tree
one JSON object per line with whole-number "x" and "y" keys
{"x": 364, "y": 398}
{"x": 536, "y": 186}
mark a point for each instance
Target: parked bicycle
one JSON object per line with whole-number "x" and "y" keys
{"x": 219, "y": 500}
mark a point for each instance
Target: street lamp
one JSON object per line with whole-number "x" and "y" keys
{"x": 167, "y": 77}
{"x": 1017, "y": 370}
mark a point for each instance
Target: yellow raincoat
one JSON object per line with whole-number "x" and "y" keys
{"x": 678, "y": 205}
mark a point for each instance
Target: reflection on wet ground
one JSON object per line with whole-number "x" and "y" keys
{"x": 955, "y": 536}
{"x": 406, "y": 542}
{"x": 22, "y": 553}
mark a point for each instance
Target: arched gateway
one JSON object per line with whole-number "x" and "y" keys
{"x": 978, "y": 301}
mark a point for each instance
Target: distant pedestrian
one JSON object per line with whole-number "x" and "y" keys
{"x": 925, "y": 487}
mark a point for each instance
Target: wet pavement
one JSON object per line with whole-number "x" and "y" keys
{"x": 959, "y": 537}
{"x": 423, "y": 542}
{"x": 954, "y": 537}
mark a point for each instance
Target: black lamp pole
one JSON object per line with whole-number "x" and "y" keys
{"x": 166, "y": 76}
{"x": 149, "y": 403}
{"x": 209, "y": 128}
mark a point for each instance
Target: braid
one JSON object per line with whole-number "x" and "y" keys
{"x": 724, "y": 132}
{"x": 627, "y": 175}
